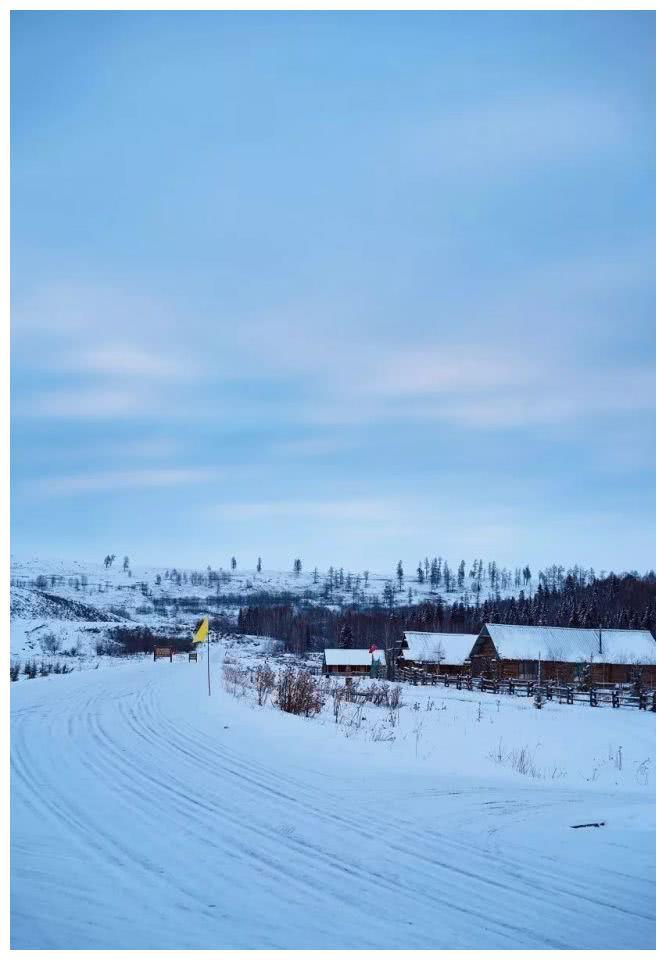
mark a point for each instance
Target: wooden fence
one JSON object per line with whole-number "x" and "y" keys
{"x": 597, "y": 696}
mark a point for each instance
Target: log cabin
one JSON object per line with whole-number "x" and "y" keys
{"x": 353, "y": 662}
{"x": 565, "y": 654}
{"x": 440, "y": 653}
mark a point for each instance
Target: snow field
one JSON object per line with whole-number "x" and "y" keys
{"x": 146, "y": 814}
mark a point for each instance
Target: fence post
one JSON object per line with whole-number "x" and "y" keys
{"x": 616, "y": 698}
{"x": 593, "y": 697}
{"x": 654, "y": 701}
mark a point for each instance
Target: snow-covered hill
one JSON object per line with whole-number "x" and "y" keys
{"x": 78, "y": 601}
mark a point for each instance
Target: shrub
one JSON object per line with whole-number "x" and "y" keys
{"x": 108, "y": 648}
{"x": 236, "y": 679}
{"x": 41, "y": 583}
{"x": 338, "y": 697}
{"x": 30, "y": 669}
{"x": 14, "y": 670}
{"x": 119, "y": 612}
{"x": 298, "y": 692}
{"x": 264, "y": 683}
{"x": 123, "y": 641}
{"x": 49, "y": 643}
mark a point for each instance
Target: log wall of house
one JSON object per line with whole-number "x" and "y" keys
{"x": 354, "y": 670}
{"x": 561, "y": 671}
{"x": 646, "y": 673}
{"x": 439, "y": 669}
{"x": 484, "y": 658}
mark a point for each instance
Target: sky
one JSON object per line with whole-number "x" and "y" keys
{"x": 353, "y": 287}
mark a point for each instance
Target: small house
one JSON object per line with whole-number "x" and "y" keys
{"x": 353, "y": 662}
{"x": 564, "y": 654}
{"x": 441, "y": 653}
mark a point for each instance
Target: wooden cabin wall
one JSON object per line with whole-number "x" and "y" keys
{"x": 346, "y": 670}
{"x": 484, "y": 658}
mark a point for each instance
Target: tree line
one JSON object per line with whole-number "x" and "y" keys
{"x": 615, "y": 601}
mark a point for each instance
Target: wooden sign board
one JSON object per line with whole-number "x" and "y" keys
{"x": 192, "y": 656}
{"x": 162, "y": 652}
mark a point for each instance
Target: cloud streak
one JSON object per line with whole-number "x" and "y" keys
{"x": 119, "y": 480}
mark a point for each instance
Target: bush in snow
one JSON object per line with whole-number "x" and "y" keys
{"x": 236, "y": 679}
{"x": 14, "y": 670}
{"x": 298, "y": 692}
{"x": 122, "y": 641}
{"x": 108, "y": 648}
{"x": 49, "y": 643}
{"x": 264, "y": 683}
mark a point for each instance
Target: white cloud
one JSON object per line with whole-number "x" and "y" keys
{"x": 446, "y": 369}
{"x": 81, "y": 483}
{"x": 358, "y": 510}
{"x": 114, "y": 355}
{"x": 83, "y": 402}
{"x": 510, "y": 133}
{"x": 127, "y": 360}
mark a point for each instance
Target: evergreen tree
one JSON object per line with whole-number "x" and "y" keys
{"x": 400, "y": 574}
{"x": 389, "y": 594}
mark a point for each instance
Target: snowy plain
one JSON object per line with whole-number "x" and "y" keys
{"x": 146, "y": 814}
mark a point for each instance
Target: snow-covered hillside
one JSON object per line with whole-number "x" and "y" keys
{"x": 77, "y": 601}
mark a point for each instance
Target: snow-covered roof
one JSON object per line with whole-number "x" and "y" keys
{"x": 571, "y": 644}
{"x": 336, "y": 657}
{"x": 451, "y": 648}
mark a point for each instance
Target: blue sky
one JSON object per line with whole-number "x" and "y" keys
{"x": 354, "y": 287}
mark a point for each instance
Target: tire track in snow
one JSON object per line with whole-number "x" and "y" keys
{"x": 170, "y": 820}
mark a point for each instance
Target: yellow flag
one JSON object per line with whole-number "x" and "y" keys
{"x": 200, "y": 631}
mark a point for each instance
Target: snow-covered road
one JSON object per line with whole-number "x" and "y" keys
{"x": 146, "y": 815}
